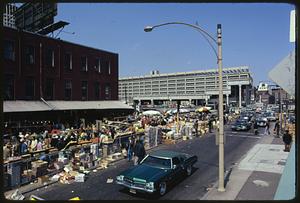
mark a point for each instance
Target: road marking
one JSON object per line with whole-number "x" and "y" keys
{"x": 247, "y": 136}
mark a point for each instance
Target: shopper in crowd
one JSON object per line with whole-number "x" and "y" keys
{"x": 47, "y": 141}
{"x": 54, "y": 140}
{"x": 112, "y": 133}
{"x": 39, "y": 145}
{"x": 287, "y": 139}
{"x": 130, "y": 147}
{"x": 139, "y": 151}
{"x": 6, "y": 151}
{"x": 196, "y": 127}
{"x": 210, "y": 124}
{"x": 23, "y": 147}
{"x": 33, "y": 144}
{"x": 60, "y": 143}
{"x": 267, "y": 128}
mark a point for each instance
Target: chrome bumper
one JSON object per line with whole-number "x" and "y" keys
{"x": 131, "y": 186}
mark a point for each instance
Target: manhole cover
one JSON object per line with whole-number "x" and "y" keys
{"x": 274, "y": 150}
{"x": 265, "y": 161}
{"x": 281, "y": 163}
{"x": 261, "y": 183}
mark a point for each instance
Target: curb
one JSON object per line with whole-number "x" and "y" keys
{"x": 226, "y": 177}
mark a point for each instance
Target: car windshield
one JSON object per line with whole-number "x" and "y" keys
{"x": 241, "y": 121}
{"x": 157, "y": 162}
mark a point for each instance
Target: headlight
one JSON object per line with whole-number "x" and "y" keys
{"x": 120, "y": 177}
{"x": 243, "y": 127}
{"x": 150, "y": 185}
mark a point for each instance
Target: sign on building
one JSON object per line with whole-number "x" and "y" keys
{"x": 35, "y": 16}
{"x": 263, "y": 87}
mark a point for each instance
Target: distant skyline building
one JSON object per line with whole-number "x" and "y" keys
{"x": 197, "y": 87}
{"x": 8, "y": 15}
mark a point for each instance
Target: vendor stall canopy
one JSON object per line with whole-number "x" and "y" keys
{"x": 26, "y": 106}
{"x": 151, "y": 113}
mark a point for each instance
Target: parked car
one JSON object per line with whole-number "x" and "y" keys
{"x": 271, "y": 116}
{"x": 241, "y": 125}
{"x": 261, "y": 121}
{"x": 292, "y": 119}
{"x": 157, "y": 171}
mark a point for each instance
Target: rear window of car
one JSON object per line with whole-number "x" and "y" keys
{"x": 157, "y": 162}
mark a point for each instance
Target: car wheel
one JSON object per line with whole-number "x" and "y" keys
{"x": 189, "y": 170}
{"x": 162, "y": 188}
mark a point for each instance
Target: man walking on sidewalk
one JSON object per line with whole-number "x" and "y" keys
{"x": 287, "y": 139}
{"x": 276, "y": 128}
{"x": 139, "y": 151}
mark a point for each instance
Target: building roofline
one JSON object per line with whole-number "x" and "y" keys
{"x": 73, "y": 43}
{"x": 185, "y": 73}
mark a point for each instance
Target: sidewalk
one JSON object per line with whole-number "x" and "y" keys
{"x": 257, "y": 175}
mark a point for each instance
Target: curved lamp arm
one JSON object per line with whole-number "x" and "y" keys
{"x": 202, "y": 32}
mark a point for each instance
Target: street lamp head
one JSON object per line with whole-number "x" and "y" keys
{"x": 148, "y": 28}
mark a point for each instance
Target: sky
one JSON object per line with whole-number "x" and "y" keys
{"x": 254, "y": 35}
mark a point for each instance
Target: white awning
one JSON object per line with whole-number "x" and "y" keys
{"x": 24, "y": 106}
{"x": 80, "y": 105}
{"x": 27, "y": 106}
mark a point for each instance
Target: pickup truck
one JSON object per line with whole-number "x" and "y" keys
{"x": 157, "y": 171}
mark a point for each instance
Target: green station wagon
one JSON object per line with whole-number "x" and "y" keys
{"x": 156, "y": 171}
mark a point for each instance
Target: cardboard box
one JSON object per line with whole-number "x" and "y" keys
{"x": 80, "y": 177}
{"x": 63, "y": 160}
{"x": 55, "y": 177}
{"x": 28, "y": 173}
{"x": 58, "y": 165}
{"x": 43, "y": 179}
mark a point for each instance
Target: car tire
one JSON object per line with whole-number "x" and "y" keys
{"x": 189, "y": 170}
{"x": 162, "y": 188}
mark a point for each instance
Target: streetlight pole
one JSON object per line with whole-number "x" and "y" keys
{"x": 221, "y": 112}
{"x": 221, "y": 187}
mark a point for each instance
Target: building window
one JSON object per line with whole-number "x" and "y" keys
{"x": 97, "y": 90}
{"x": 68, "y": 61}
{"x": 9, "y": 50}
{"x": 98, "y": 65}
{"x": 84, "y": 64}
{"x": 109, "y": 68}
{"x": 9, "y": 87}
{"x": 50, "y": 57}
{"x": 29, "y": 88}
{"x": 107, "y": 92}
{"x": 49, "y": 89}
{"x": 29, "y": 55}
{"x": 84, "y": 90}
{"x": 68, "y": 90}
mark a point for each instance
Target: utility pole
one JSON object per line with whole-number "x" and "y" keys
{"x": 280, "y": 110}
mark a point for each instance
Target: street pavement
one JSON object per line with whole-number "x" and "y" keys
{"x": 202, "y": 184}
{"x": 257, "y": 175}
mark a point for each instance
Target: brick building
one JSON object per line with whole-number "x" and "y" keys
{"x": 36, "y": 66}
{"x": 58, "y": 81}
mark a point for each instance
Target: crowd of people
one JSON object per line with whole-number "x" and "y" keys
{"x": 59, "y": 135}
{"x": 26, "y": 142}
